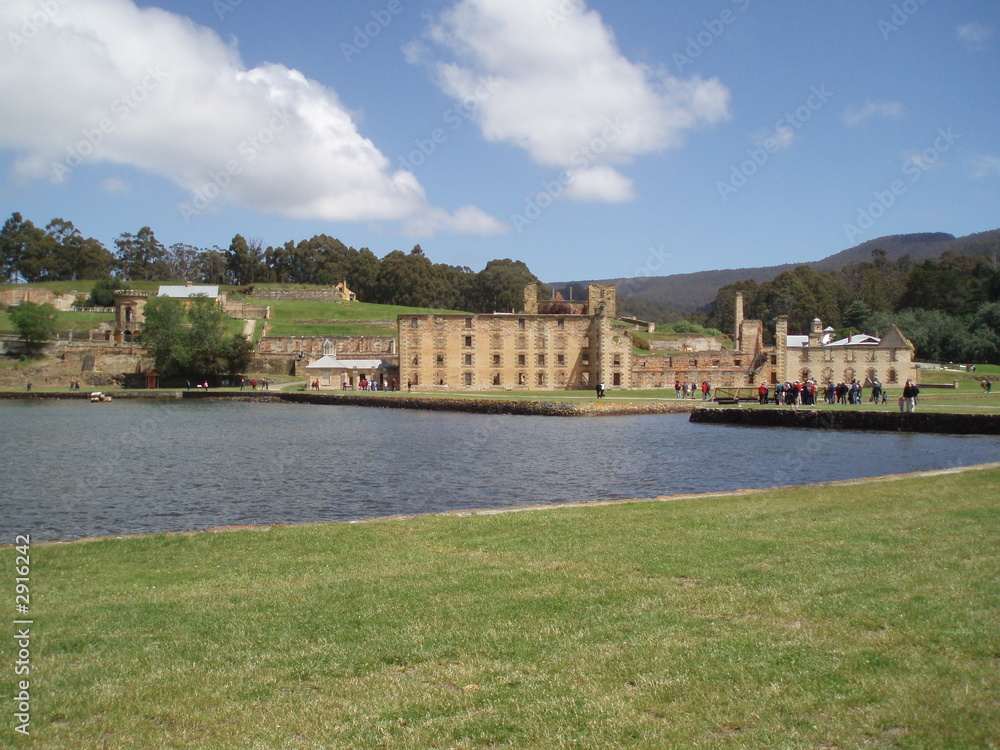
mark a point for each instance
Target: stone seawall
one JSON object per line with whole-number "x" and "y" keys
{"x": 967, "y": 424}
{"x": 84, "y": 395}
{"x": 490, "y": 406}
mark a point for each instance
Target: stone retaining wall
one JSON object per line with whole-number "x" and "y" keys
{"x": 490, "y": 406}
{"x": 965, "y": 424}
{"x": 311, "y": 295}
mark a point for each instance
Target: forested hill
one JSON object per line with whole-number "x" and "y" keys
{"x": 688, "y": 292}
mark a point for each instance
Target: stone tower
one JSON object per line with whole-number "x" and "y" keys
{"x": 602, "y": 295}
{"x": 531, "y": 299}
{"x": 738, "y": 321}
{"x": 781, "y": 347}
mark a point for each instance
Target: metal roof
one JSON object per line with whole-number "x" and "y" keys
{"x": 330, "y": 362}
{"x": 183, "y": 292}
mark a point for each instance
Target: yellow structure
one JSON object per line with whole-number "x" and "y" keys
{"x": 510, "y": 351}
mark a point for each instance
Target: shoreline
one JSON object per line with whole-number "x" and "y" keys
{"x": 701, "y": 412}
{"x": 472, "y": 405}
{"x": 534, "y": 507}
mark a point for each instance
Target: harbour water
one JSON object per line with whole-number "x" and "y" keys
{"x": 73, "y": 469}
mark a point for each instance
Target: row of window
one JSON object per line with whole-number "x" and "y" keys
{"x": 827, "y": 375}
{"x": 541, "y": 379}
{"x": 522, "y": 323}
{"x": 496, "y": 342}
{"x": 850, "y": 355}
{"x": 468, "y": 360}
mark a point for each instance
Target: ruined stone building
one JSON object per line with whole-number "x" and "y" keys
{"x": 510, "y": 351}
{"x": 742, "y": 366}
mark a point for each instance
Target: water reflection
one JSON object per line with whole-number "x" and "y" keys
{"x": 74, "y": 469}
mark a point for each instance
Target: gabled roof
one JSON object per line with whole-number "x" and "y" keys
{"x": 183, "y": 292}
{"x": 894, "y": 339}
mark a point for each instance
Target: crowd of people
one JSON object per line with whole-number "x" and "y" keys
{"x": 264, "y": 383}
{"x": 692, "y": 389}
{"x": 806, "y": 393}
{"x": 809, "y": 392}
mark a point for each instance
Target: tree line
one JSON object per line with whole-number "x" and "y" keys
{"x": 948, "y": 307}
{"x": 59, "y": 252}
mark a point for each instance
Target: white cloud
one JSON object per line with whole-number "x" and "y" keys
{"x": 105, "y": 81}
{"x": 974, "y": 36}
{"x": 115, "y": 186}
{"x": 984, "y": 166}
{"x": 854, "y": 116}
{"x": 547, "y": 76}
{"x": 467, "y": 220}
{"x": 601, "y": 183}
{"x": 779, "y": 139}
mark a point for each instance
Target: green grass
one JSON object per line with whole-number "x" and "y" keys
{"x": 65, "y": 321}
{"x": 330, "y": 329}
{"x": 967, "y": 381}
{"x": 308, "y": 318}
{"x": 837, "y": 617}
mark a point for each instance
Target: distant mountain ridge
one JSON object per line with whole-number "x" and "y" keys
{"x": 689, "y": 292}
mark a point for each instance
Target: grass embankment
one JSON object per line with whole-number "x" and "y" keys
{"x": 815, "y": 617}
{"x": 308, "y": 318}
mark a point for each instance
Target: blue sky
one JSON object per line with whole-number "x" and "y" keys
{"x": 589, "y": 139}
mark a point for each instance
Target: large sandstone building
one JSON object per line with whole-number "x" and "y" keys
{"x": 526, "y": 351}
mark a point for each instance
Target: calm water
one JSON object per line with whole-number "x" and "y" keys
{"x": 73, "y": 469}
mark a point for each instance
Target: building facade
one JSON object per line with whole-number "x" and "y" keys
{"x": 527, "y": 351}
{"x": 864, "y": 358}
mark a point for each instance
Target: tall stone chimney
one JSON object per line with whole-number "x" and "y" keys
{"x": 531, "y": 299}
{"x": 738, "y": 320}
{"x": 781, "y": 347}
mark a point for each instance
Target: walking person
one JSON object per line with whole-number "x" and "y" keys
{"x": 910, "y": 393}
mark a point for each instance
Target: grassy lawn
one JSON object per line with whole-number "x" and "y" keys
{"x": 306, "y": 310}
{"x": 292, "y": 328}
{"x": 81, "y": 321}
{"x": 308, "y": 318}
{"x": 837, "y": 617}
{"x": 65, "y": 321}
